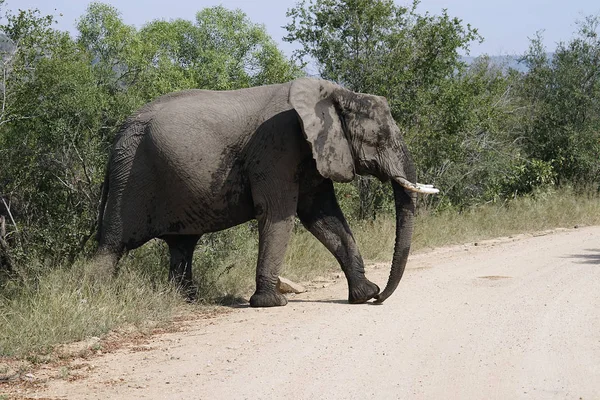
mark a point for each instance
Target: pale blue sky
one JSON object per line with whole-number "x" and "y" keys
{"x": 505, "y": 24}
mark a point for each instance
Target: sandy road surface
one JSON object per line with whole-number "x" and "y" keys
{"x": 512, "y": 319}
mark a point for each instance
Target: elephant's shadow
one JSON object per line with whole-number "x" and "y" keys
{"x": 330, "y": 301}
{"x": 243, "y": 303}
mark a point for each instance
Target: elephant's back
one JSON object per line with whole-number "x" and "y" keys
{"x": 203, "y": 126}
{"x": 233, "y": 112}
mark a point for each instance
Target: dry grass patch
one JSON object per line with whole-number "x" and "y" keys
{"x": 542, "y": 211}
{"x": 60, "y": 307}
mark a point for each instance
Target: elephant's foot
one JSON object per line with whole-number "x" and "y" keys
{"x": 362, "y": 292}
{"x": 268, "y": 299}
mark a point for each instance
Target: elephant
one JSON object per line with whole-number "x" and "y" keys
{"x": 199, "y": 161}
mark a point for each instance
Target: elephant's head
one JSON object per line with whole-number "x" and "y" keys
{"x": 354, "y": 133}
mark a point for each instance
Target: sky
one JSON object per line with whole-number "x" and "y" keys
{"x": 505, "y": 25}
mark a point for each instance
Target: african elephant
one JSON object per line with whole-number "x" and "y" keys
{"x": 202, "y": 161}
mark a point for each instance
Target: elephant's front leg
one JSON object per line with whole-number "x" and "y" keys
{"x": 321, "y": 215}
{"x": 275, "y": 223}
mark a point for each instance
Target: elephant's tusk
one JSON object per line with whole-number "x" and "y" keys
{"x": 418, "y": 187}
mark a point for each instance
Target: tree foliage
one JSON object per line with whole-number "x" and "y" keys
{"x": 560, "y": 122}
{"x": 411, "y": 59}
{"x": 64, "y": 98}
{"x": 480, "y": 132}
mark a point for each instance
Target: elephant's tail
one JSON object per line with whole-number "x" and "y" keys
{"x": 102, "y": 207}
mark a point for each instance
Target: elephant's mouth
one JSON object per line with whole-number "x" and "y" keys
{"x": 416, "y": 187}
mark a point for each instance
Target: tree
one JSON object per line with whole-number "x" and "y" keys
{"x": 560, "y": 121}
{"x": 413, "y": 60}
{"x": 221, "y": 49}
{"x": 51, "y": 157}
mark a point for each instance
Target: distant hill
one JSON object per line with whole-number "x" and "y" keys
{"x": 505, "y": 62}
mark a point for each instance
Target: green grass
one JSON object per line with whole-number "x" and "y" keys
{"x": 59, "y": 307}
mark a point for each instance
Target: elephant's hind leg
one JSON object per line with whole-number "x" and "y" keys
{"x": 320, "y": 213}
{"x": 181, "y": 248}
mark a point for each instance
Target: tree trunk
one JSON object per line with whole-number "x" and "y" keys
{"x": 5, "y": 259}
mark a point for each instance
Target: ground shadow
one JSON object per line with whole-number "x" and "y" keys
{"x": 242, "y": 303}
{"x": 344, "y": 302}
{"x": 332, "y": 301}
{"x": 239, "y": 302}
{"x": 232, "y": 301}
{"x": 593, "y": 257}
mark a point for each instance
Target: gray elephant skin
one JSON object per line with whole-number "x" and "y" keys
{"x": 201, "y": 161}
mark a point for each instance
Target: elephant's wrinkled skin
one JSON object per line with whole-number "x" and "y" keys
{"x": 202, "y": 161}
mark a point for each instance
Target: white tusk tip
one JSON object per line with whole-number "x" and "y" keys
{"x": 419, "y": 187}
{"x": 428, "y": 190}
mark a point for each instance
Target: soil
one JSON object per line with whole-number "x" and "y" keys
{"x": 511, "y": 318}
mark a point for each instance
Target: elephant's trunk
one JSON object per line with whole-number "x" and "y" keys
{"x": 405, "y": 214}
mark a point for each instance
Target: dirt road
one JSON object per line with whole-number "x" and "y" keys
{"x": 508, "y": 319}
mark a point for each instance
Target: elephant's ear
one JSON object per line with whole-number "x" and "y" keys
{"x": 315, "y": 102}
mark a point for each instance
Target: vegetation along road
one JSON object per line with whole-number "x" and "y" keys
{"x": 513, "y": 318}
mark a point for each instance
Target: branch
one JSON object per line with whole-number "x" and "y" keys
{"x": 10, "y": 215}
{"x": 6, "y": 121}
{"x": 70, "y": 187}
{"x": 83, "y": 164}
{"x": 4, "y": 89}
